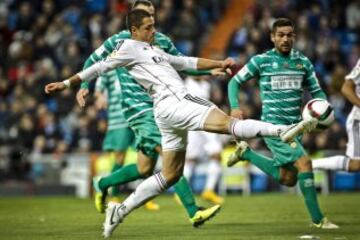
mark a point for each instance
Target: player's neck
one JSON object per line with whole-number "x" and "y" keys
{"x": 139, "y": 40}
{"x": 282, "y": 54}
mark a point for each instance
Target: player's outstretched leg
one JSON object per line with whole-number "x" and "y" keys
{"x": 217, "y": 121}
{"x": 294, "y": 130}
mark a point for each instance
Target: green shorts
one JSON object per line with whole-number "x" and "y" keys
{"x": 147, "y": 134}
{"x": 283, "y": 153}
{"x": 118, "y": 139}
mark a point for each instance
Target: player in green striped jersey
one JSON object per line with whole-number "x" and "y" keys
{"x": 137, "y": 108}
{"x": 118, "y": 136}
{"x": 282, "y": 74}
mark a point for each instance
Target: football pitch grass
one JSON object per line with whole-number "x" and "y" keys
{"x": 260, "y": 216}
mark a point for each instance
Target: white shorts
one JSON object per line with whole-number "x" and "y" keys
{"x": 176, "y": 117}
{"x": 353, "y": 132}
{"x": 201, "y": 145}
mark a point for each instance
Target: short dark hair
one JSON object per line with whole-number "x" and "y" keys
{"x": 282, "y": 22}
{"x": 142, "y": 2}
{"x": 135, "y": 18}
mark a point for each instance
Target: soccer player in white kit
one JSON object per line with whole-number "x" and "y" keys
{"x": 204, "y": 146}
{"x": 351, "y": 161}
{"x": 176, "y": 111}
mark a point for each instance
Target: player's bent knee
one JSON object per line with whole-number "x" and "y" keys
{"x": 354, "y": 165}
{"x": 289, "y": 182}
{"x": 146, "y": 170}
{"x": 172, "y": 177}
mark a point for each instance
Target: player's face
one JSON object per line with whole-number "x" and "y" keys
{"x": 146, "y": 31}
{"x": 149, "y": 9}
{"x": 283, "y": 39}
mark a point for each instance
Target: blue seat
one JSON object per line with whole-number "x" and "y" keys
{"x": 344, "y": 181}
{"x": 259, "y": 182}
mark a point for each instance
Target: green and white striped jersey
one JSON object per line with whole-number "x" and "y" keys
{"x": 135, "y": 99}
{"x": 281, "y": 80}
{"x": 109, "y": 83}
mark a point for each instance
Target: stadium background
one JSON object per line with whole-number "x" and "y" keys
{"x": 45, "y": 41}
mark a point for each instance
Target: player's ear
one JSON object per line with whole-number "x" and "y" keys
{"x": 133, "y": 29}
{"x": 272, "y": 36}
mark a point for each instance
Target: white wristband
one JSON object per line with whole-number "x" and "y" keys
{"x": 67, "y": 83}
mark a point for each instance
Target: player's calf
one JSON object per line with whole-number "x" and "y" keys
{"x": 354, "y": 165}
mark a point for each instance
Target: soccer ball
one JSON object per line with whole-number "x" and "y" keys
{"x": 320, "y": 109}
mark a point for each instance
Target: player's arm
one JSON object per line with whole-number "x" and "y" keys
{"x": 120, "y": 58}
{"x": 249, "y": 71}
{"x": 100, "y": 93}
{"x": 348, "y": 89}
{"x": 312, "y": 83}
{"x": 182, "y": 62}
{"x": 172, "y": 50}
{"x": 86, "y": 75}
{"x": 99, "y": 54}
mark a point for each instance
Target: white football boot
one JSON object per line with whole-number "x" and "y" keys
{"x": 113, "y": 217}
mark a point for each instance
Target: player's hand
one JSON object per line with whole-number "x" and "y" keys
{"x": 54, "y": 87}
{"x": 81, "y": 96}
{"x": 100, "y": 102}
{"x": 237, "y": 113}
{"x": 217, "y": 72}
{"x": 227, "y": 64}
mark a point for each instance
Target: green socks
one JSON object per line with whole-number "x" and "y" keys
{"x": 262, "y": 162}
{"x": 130, "y": 173}
{"x": 183, "y": 190}
{"x": 115, "y": 189}
{"x": 125, "y": 174}
{"x": 306, "y": 182}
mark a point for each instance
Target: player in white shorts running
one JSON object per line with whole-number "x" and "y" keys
{"x": 204, "y": 146}
{"x": 176, "y": 111}
{"x": 351, "y": 161}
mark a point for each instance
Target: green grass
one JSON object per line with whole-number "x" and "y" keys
{"x": 268, "y": 216}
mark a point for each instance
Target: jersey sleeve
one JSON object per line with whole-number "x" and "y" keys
{"x": 103, "y": 52}
{"x": 354, "y": 75}
{"x": 247, "y": 72}
{"x": 181, "y": 62}
{"x": 122, "y": 56}
{"x": 312, "y": 82}
{"x": 171, "y": 49}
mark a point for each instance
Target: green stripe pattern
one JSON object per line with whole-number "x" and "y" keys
{"x": 282, "y": 80}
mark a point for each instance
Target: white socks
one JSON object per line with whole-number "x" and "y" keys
{"x": 213, "y": 174}
{"x": 252, "y": 128}
{"x": 332, "y": 163}
{"x": 148, "y": 189}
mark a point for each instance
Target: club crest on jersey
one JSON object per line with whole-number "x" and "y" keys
{"x": 158, "y": 59}
{"x": 299, "y": 66}
{"x": 275, "y": 65}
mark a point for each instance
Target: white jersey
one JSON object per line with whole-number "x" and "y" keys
{"x": 198, "y": 88}
{"x": 354, "y": 76}
{"x": 150, "y": 66}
